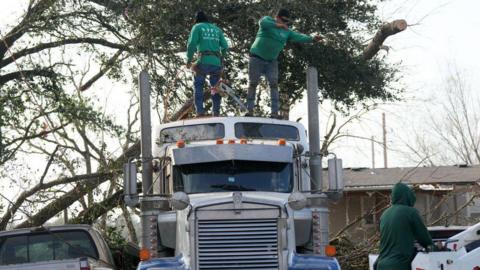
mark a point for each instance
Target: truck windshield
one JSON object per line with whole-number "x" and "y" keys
{"x": 198, "y": 132}
{"x": 234, "y": 175}
{"x": 45, "y": 246}
{"x": 266, "y": 131}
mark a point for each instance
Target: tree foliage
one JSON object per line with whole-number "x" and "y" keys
{"x": 344, "y": 75}
{"x": 52, "y": 58}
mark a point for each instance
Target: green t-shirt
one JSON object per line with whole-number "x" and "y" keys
{"x": 206, "y": 37}
{"x": 400, "y": 226}
{"x": 271, "y": 40}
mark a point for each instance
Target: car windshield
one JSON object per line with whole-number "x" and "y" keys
{"x": 46, "y": 246}
{"x": 233, "y": 175}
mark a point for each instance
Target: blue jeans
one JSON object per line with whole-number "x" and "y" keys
{"x": 202, "y": 70}
{"x": 256, "y": 68}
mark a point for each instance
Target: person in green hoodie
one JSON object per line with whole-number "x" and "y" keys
{"x": 272, "y": 36}
{"x": 209, "y": 42}
{"x": 400, "y": 226}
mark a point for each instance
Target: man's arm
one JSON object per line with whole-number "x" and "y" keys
{"x": 420, "y": 231}
{"x": 223, "y": 45}
{"x": 192, "y": 44}
{"x": 299, "y": 37}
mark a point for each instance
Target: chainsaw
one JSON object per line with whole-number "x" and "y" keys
{"x": 223, "y": 88}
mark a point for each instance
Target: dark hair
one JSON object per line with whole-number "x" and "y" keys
{"x": 283, "y": 13}
{"x": 200, "y": 16}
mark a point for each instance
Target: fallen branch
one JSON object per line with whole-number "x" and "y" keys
{"x": 388, "y": 29}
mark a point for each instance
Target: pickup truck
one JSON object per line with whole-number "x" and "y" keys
{"x": 66, "y": 247}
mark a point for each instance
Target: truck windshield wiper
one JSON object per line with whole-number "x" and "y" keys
{"x": 231, "y": 187}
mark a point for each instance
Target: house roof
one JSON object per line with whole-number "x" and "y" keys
{"x": 366, "y": 178}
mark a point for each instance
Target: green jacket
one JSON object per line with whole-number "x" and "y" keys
{"x": 271, "y": 40}
{"x": 206, "y": 37}
{"x": 400, "y": 226}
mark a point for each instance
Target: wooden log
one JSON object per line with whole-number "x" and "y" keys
{"x": 382, "y": 34}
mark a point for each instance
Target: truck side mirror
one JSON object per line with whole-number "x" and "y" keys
{"x": 130, "y": 183}
{"x": 335, "y": 175}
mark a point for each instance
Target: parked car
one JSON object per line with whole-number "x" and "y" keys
{"x": 67, "y": 247}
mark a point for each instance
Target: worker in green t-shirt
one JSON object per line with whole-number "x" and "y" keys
{"x": 400, "y": 226}
{"x": 211, "y": 46}
{"x": 272, "y": 36}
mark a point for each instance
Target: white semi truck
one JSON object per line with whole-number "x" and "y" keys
{"x": 234, "y": 193}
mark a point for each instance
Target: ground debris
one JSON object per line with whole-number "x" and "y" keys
{"x": 354, "y": 255}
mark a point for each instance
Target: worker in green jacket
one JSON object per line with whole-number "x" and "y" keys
{"x": 400, "y": 226}
{"x": 209, "y": 42}
{"x": 272, "y": 36}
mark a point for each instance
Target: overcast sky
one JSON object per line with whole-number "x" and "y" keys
{"x": 440, "y": 34}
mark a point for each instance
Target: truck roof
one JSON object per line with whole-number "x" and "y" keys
{"x": 44, "y": 228}
{"x": 231, "y": 119}
{"x": 229, "y": 124}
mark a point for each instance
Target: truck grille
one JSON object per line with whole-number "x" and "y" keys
{"x": 238, "y": 244}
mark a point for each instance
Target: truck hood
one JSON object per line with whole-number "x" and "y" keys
{"x": 273, "y": 198}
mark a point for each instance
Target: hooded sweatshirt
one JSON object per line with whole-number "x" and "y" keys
{"x": 271, "y": 40}
{"x": 400, "y": 226}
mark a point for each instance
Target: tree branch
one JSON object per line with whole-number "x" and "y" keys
{"x": 108, "y": 65}
{"x": 42, "y": 186}
{"x": 385, "y": 31}
{"x": 26, "y": 74}
{"x": 50, "y": 210}
{"x": 14, "y": 57}
{"x": 88, "y": 216}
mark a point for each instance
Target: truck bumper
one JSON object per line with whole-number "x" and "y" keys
{"x": 311, "y": 262}
{"x": 170, "y": 263}
{"x": 299, "y": 262}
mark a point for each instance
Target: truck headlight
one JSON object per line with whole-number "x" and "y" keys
{"x": 180, "y": 200}
{"x": 297, "y": 201}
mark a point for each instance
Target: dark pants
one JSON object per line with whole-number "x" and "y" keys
{"x": 201, "y": 71}
{"x": 256, "y": 68}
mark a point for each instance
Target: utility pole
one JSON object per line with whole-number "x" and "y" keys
{"x": 384, "y": 127}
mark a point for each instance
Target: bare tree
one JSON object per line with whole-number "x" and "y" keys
{"x": 452, "y": 129}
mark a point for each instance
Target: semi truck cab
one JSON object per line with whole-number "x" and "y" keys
{"x": 237, "y": 197}
{"x": 233, "y": 192}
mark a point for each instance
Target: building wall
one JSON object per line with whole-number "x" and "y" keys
{"x": 361, "y": 211}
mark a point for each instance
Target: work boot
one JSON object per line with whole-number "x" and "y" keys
{"x": 276, "y": 116}
{"x": 249, "y": 114}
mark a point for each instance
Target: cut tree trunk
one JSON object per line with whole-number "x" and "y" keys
{"x": 383, "y": 33}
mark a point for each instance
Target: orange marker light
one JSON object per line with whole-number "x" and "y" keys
{"x": 219, "y": 141}
{"x": 282, "y": 142}
{"x": 231, "y": 141}
{"x": 180, "y": 143}
{"x": 144, "y": 254}
{"x": 330, "y": 251}
{"x": 243, "y": 141}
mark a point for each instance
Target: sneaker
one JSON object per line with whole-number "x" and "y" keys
{"x": 216, "y": 114}
{"x": 200, "y": 115}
